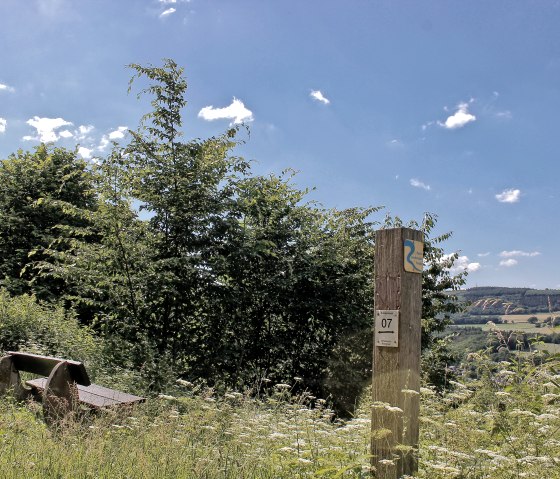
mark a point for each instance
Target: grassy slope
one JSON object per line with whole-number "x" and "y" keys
{"x": 504, "y": 425}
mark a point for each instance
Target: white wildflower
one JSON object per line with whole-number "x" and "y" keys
{"x": 186, "y": 384}
{"x": 166, "y": 396}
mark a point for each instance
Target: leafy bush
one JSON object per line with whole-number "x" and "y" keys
{"x": 30, "y": 325}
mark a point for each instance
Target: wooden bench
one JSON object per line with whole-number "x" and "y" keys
{"x": 66, "y": 387}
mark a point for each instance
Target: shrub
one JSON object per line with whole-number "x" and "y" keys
{"x": 30, "y": 325}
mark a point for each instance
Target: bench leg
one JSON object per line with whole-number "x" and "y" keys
{"x": 60, "y": 397}
{"x": 10, "y": 379}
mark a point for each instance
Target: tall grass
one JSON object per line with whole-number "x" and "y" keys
{"x": 200, "y": 436}
{"x": 505, "y": 424}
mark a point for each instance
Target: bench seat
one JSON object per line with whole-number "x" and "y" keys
{"x": 67, "y": 386}
{"x": 93, "y": 395}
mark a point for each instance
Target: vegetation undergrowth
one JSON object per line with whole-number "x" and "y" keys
{"x": 505, "y": 424}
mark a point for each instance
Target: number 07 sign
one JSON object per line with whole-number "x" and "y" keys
{"x": 387, "y": 328}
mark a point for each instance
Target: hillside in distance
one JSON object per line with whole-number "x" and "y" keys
{"x": 497, "y": 300}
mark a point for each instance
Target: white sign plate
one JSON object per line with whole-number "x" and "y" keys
{"x": 387, "y": 328}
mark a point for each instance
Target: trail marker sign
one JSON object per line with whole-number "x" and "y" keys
{"x": 413, "y": 256}
{"x": 387, "y": 328}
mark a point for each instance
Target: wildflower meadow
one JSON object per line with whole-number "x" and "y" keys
{"x": 502, "y": 424}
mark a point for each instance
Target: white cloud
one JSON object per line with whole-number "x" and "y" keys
{"x": 118, "y": 133}
{"x": 418, "y": 184}
{"x": 46, "y": 128}
{"x": 85, "y": 152}
{"x": 81, "y": 134}
{"x": 509, "y": 196}
{"x": 510, "y": 254}
{"x": 483, "y": 255}
{"x": 85, "y": 129}
{"x": 459, "y": 119}
{"x": 508, "y": 263}
{"x": 66, "y": 134}
{"x": 236, "y": 112}
{"x": 167, "y": 12}
{"x": 113, "y": 135}
{"x": 462, "y": 263}
{"x": 165, "y": 2}
{"x": 7, "y": 88}
{"x": 103, "y": 143}
{"x": 317, "y": 95}
{"x": 3, "y": 124}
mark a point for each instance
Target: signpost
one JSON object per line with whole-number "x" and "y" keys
{"x": 396, "y": 355}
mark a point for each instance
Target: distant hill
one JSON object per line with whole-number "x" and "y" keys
{"x": 497, "y": 300}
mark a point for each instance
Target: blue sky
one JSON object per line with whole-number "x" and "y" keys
{"x": 450, "y": 107}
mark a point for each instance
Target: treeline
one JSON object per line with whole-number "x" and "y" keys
{"x": 188, "y": 265}
{"x": 500, "y": 300}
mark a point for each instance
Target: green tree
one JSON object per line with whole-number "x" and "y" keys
{"x": 246, "y": 279}
{"x": 103, "y": 278}
{"x": 46, "y": 196}
{"x": 188, "y": 190}
{"x": 229, "y": 277}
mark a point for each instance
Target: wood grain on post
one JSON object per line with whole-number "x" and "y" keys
{"x": 396, "y": 370}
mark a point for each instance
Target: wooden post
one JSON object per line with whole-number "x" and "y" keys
{"x": 396, "y": 354}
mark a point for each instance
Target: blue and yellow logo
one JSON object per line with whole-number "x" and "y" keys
{"x": 413, "y": 256}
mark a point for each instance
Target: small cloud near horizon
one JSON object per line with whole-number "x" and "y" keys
{"x": 3, "y": 124}
{"x": 236, "y": 112}
{"x": 318, "y": 95}
{"x": 510, "y": 195}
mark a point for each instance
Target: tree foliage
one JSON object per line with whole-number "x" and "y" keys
{"x": 191, "y": 266}
{"x": 45, "y": 198}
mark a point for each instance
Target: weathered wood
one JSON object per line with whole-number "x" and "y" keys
{"x": 396, "y": 370}
{"x": 43, "y": 365}
{"x": 10, "y": 379}
{"x": 93, "y": 395}
{"x": 67, "y": 386}
{"x": 60, "y": 396}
